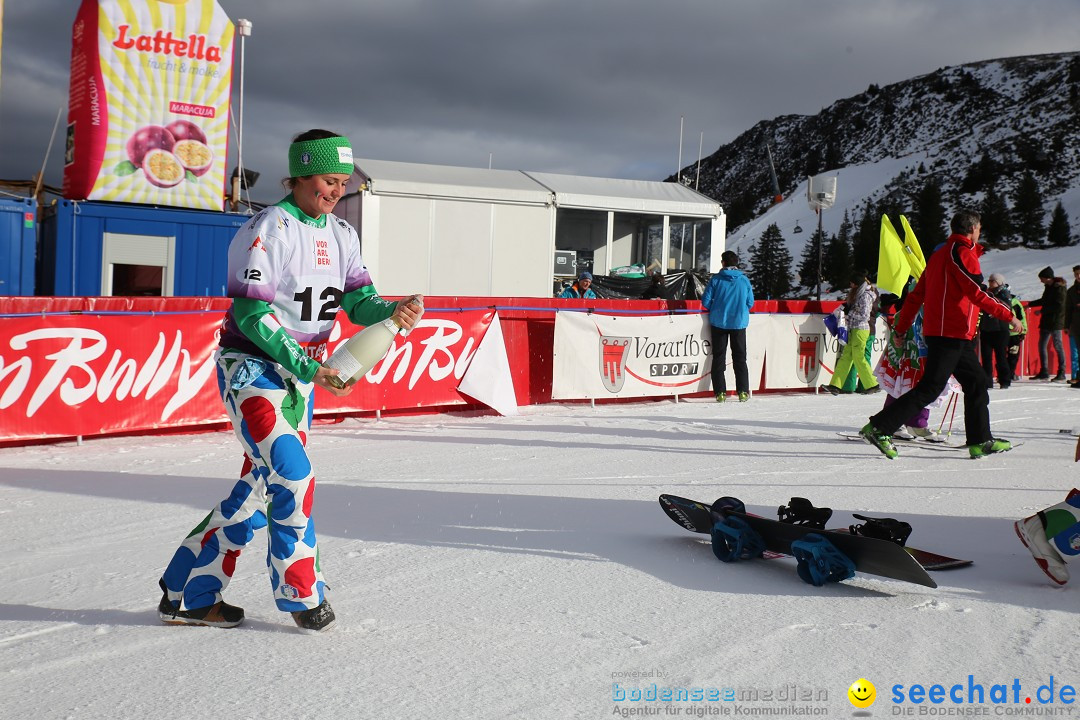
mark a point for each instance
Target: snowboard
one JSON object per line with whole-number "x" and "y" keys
{"x": 870, "y": 555}
{"x": 697, "y": 517}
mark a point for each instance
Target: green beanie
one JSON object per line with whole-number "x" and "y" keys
{"x": 324, "y": 156}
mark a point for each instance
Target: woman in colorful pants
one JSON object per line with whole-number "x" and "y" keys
{"x": 291, "y": 268}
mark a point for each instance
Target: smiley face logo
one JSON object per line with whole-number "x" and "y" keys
{"x": 862, "y": 693}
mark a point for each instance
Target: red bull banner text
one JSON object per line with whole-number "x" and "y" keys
{"x": 114, "y": 368}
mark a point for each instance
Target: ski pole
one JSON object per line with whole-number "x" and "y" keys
{"x": 952, "y": 396}
{"x": 951, "y": 416}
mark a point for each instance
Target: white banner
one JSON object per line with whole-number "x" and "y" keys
{"x": 488, "y": 378}
{"x": 604, "y": 356}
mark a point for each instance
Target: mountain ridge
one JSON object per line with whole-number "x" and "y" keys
{"x": 930, "y": 114}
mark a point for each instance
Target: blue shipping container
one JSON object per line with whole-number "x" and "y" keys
{"x": 98, "y": 248}
{"x": 18, "y": 245}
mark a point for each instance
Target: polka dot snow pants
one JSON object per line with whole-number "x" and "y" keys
{"x": 271, "y": 416}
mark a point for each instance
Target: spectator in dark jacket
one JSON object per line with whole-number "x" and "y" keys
{"x": 1051, "y": 323}
{"x": 994, "y": 336}
{"x": 657, "y": 290}
{"x": 1016, "y": 336}
{"x": 1072, "y": 324}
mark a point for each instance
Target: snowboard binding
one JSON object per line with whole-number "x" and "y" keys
{"x": 820, "y": 562}
{"x": 730, "y": 503}
{"x": 800, "y": 511}
{"x": 733, "y": 540}
{"x": 891, "y": 529}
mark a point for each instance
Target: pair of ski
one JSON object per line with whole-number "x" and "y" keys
{"x": 871, "y": 555}
{"x": 930, "y": 444}
{"x": 918, "y": 442}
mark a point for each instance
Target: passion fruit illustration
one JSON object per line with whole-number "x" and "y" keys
{"x": 151, "y": 137}
{"x": 195, "y": 156}
{"x": 186, "y": 130}
{"x": 162, "y": 168}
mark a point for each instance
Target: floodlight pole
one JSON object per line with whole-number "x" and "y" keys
{"x": 678, "y": 170}
{"x": 820, "y": 243}
{"x": 820, "y": 196}
{"x": 243, "y": 27}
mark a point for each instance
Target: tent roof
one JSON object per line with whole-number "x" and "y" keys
{"x": 386, "y": 177}
{"x": 642, "y": 196}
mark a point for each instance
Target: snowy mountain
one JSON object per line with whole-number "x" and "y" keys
{"x": 973, "y": 128}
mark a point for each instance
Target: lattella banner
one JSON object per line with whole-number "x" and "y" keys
{"x": 148, "y": 107}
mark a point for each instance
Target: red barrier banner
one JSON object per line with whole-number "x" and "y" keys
{"x": 423, "y": 369}
{"x": 64, "y": 375}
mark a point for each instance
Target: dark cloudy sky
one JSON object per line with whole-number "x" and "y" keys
{"x": 589, "y": 87}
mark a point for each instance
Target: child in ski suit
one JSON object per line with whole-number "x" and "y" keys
{"x": 860, "y": 315}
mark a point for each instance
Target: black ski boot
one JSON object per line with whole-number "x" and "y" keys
{"x": 316, "y": 619}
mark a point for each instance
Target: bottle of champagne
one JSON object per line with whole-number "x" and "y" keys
{"x": 358, "y": 354}
{"x": 355, "y": 356}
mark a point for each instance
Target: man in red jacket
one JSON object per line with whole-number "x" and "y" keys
{"x": 951, "y": 294}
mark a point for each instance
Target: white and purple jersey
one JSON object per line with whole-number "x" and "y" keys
{"x": 301, "y": 268}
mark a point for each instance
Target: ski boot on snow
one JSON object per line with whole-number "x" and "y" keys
{"x": 221, "y": 614}
{"x": 923, "y": 433}
{"x": 316, "y": 619}
{"x": 880, "y": 440}
{"x": 990, "y": 447}
{"x": 1052, "y": 535}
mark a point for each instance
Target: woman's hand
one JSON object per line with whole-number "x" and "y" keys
{"x": 408, "y": 311}
{"x": 321, "y": 379}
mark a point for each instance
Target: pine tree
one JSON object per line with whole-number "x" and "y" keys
{"x": 864, "y": 250}
{"x": 997, "y": 229}
{"x": 813, "y": 161}
{"x": 770, "y": 265}
{"x": 1027, "y": 214}
{"x": 929, "y": 217}
{"x": 838, "y": 265}
{"x": 808, "y": 267}
{"x": 1059, "y": 234}
{"x": 834, "y": 157}
{"x": 980, "y": 175}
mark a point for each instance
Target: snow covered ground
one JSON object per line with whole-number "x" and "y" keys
{"x": 486, "y": 567}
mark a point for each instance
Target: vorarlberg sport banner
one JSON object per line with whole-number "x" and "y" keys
{"x": 148, "y": 108}
{"x": 598, "y": 356}
{"x": 605, "y": 356}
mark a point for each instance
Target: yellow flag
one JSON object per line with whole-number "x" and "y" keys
{"x": 912, "y": 250}
{"x": 893, "y": 267}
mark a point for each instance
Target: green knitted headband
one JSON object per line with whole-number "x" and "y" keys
{"x": 324, "y": 156}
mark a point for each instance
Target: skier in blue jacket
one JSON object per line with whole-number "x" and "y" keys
{"x": 728, "y": 298}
